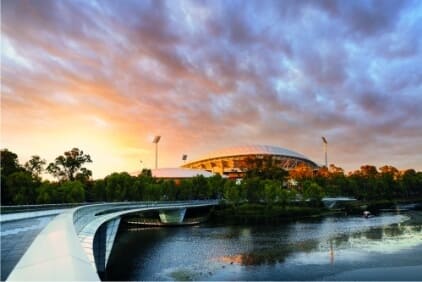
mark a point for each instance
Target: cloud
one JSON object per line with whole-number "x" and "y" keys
{"x": 207, "y": 74}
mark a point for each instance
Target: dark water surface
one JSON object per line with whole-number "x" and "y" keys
{"x": 385, "y": 247}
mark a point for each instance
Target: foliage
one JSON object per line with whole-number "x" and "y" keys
{"x": 118, "y": 186}
{"x": 69, "y": 166}
{"x": 263, "y": 185}
{"x": 252, "y": 189}
{"x": 272, "y": 172}
{"x": 301, "y": 172}
{"x": 21, "y": 188}
{"x": 35, "y": 166}
{"x": 271, "y": 191}
{"x": 200, "y": 188}
{"x": 67, "y": 192}
{"x": 231, "y": 192}
{"x": 9, "y": 165}
{"x": 72, "y": 192}
{"x": 216, "y": 185}
{"x": 313, "y": 192}
{"x": 47, "y": 193}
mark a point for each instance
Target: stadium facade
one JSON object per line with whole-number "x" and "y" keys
{"x": 234, "y": 161}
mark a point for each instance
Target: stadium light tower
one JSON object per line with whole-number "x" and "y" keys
{"x": 156, "y": 140}
{"x": 325, "y": 150}
{"x": 184, "y": 158}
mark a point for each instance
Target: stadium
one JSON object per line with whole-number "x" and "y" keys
{"x": 234, "y": 161}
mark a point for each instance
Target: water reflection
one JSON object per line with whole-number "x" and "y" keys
{"x": 313, "y": 240}
{"x": 326, "y": 247}
{"x": 331, "y": 252}
{"x": 361, "y": 245}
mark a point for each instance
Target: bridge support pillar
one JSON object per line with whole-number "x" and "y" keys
{"x": 103, "y": 243}
{"x": 172, "y": 215}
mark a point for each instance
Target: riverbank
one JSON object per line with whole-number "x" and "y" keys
{"x": 376, "y": 206}
{"x": 262, "y": 214}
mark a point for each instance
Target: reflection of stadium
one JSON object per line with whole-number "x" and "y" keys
{"x": 234, "y": 161}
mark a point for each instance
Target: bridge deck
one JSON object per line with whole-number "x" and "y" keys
{"x": 60, "y": 251}
{"x": 16, "y": 237}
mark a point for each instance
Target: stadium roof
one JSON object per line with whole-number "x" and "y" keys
{"x": 252, "y": 150}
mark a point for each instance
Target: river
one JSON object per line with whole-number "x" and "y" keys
{"x": 385, "y": 247}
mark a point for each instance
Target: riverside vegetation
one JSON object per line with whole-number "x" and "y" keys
{"x": 266, "y": 193}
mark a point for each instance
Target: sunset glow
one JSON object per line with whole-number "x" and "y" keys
{"x": 107, "y": 76}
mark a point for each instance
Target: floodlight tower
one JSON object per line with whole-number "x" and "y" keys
{"x": 156, "y": 140}
{"x": 325, "y": 150}
{"x": 184, "y": 158}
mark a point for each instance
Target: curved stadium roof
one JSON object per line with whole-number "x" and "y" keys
{"x": 252, "y": 150}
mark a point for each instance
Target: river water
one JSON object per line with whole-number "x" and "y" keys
{"x": 385, "y": 247}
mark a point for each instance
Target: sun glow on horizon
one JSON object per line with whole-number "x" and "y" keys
{"x": 108, "y": 77}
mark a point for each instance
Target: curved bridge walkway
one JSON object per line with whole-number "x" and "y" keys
{"x": 76, "y": 244}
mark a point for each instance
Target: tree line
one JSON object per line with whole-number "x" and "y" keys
{"x": 23, "y": 184}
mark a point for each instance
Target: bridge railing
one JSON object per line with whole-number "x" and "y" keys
{"x": 57, "y": 252}
{"x": 29, "y": 208}
{"x": 84, "y": 214}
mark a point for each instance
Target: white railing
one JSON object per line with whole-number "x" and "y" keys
{"x": 57, "y": 252}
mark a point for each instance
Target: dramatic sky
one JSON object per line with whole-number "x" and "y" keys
{"x": 106, "y": 76}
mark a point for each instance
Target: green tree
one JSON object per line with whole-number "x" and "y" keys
{"x": 9, "y": 165}
{"x": 270, "y": 172}
{"x": 22, "y": 188}
{"x": 364, "y": 183}
{"x": 47, "y": 193}
{"x": 89, "y": 189}
{"x": 35, "y": 166}
{"x": 84, "y": 175}
{"x": 67, "y": 166}
{"x": 9, "y": 162}
{"x": 337, "y": 185}
{"x": 99, "y": 190}
{"x": 153, "y": 192}
{"x": 285, "y": 195}
{"x": 72, "y": 192}
{"x": 186, "y": 190}
{"x": 216, "y": 185}
{"x": 253, "y": 189}
{"x": 134, "y": 191}
{"x": 200, "y": 188}
{"x": 117, "y": 186}
{"x": 142, "y": 181}
{"x": 388, "y": 185}
{"x": 368, "y": 170}
{"x": 313, "y": 191}
{"x": 231, "y": 192}
{"x": 170, "y": 190}
{"x": 271, "y": 191}
{"x": 146, "y": 172}
{"x": 411, "y": 182}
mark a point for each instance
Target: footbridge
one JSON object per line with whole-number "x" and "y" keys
{"x": 76, "y": 244}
